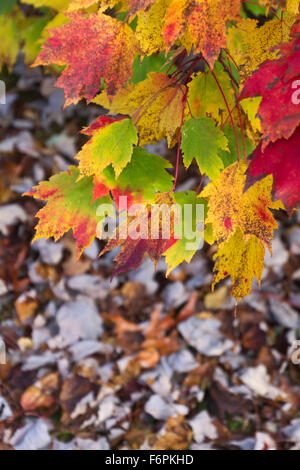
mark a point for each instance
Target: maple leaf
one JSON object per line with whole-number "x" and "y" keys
{"x": 107, "y": 52}
{"x": 111, "y": 143}
{"x": 241, "y": 258}
{"x": 278, "y": 112}
{"x": 205, "y": 21}
{"x": 69, "y": 206}
{"x": 230, "y": 207}
{"x": 139, "y": 240}
{"x": 155, "y": 104}
{"x": 251, "y": 44}
{"x": 149, "y": 27}
{"x": 206, "y": 100}
{"x": 280, "y": 159}
{"x": 202, "y": 140}
{"x": 141, "y": 178}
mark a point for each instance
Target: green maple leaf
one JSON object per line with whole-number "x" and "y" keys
{"x": 202, "y": 140}
{"x": 111, "y": 144}
{"x": 145, "y": 173}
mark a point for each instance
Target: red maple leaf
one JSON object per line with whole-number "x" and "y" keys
{"x": 274, "y": 81}
{"x": 135, "y": 247}
{"x": 282, "y": 160}
{"x": 92, "y": 47}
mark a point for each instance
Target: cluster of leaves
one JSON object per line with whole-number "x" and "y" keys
{"x": 216, "y": 78}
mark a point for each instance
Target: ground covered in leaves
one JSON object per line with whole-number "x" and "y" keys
{"x": 139, "y": 362}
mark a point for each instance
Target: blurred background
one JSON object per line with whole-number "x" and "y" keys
{"x": 139, "y": 362}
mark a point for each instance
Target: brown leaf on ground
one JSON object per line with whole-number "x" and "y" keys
{"x": 40, "y": 395}
{"x": 177, "y": 435}
{"x": 73, "y": 390}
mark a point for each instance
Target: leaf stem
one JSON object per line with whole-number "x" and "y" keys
{"x": 239, "y": 113}
{"x": 227, "y": 106}
{"x": 184, "y": 99}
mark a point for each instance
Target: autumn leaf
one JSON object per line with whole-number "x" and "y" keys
{"x": 251, "y": 44}
{"x": 241, "y": 258}
{"x": 202, "y": 140}
{"x": 149, "y": 27}
{"x": 278, "y": 111}
{"x": 139, "y": 239}
{"x": 177, "y": 435}
{"x": 155, "y": 104}
{"x": 206, "y": 100}
{"x": 230, "y": 207}
{"x": 205, "y": 21}
{"x": 107, "y": 52}
{"x": 69, "y": 206}
{"x": 280, "y": 159}
{"x": 144, "y": 175}
{"x": 111, "y": 143}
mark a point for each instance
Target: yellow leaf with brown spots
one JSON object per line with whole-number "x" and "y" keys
{"x": 240, "y": 257}
{"x": 149, "y": 27}
{"x": 155, "y": 105}
{"x": 231, "y": 207}
{"x": 251, "y": 44}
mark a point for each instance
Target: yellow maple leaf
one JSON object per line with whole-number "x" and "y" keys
{"x": 231, "y": 207}
{"x": 149, "y": 27}
{"x": 250, "y": 44}
{"x": 241, "y": 258}
{"x": 155, "y": 105}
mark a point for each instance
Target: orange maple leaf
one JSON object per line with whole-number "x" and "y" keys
{"x": 204, "y": 21}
